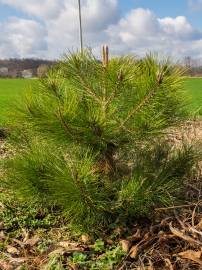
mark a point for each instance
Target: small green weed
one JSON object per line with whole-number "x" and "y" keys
{"x": 55, "y": 263}
{"x": 15, "y": 215}
{"x": 99, "y": 245}
{"x": 101, "y": 258}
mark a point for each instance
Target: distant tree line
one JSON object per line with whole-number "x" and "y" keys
{"x": 193, "y": 66}
{"x": 24, "y": 67}
{"x": 28, "y": 67}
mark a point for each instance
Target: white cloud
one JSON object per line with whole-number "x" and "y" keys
{"x": 141, "y": 30}
{"x": 45, "y": 9}
{"x": 61, "y": 21}
{"x": 54, "y": 29}
{"x": 97, "y": 15}
{"x": 20, "y": 38}
{"x": 178, "y": 27}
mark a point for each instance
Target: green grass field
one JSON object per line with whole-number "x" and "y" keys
{"x": 193, "y": 87}
{"x": 12, "y": 89}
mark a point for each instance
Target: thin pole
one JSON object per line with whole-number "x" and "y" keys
{"x": 80, "y": 27}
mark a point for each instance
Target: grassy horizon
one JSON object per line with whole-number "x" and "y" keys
{"x": 12, "y": 89}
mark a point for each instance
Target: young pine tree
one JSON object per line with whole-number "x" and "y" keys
{"x": 91, "y": 139}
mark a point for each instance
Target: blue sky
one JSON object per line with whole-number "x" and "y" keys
{"x": 47, "y": 28}
{"x": 8, "y": 11}
{"x": 166, "y": 8}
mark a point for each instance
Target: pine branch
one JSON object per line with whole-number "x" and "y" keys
{"x": 88, "y": 89}
{"x": 145, "y": 100}
{"x": 63, "y": 122}
{"x": 77, "y": 62}
{"x": 118, "y": 84}
{"x": 83, "y": 153}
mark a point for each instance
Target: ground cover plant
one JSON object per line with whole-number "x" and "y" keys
{"x": 92, "y": 141}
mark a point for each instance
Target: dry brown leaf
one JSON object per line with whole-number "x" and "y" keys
{"x": 119, "y": 231}
{"x": 169, "y": 264}
{"x": 12, "y": 250}
{"x": 73, "y": 266}
{"x": 109, "y": 241}
{"x": 164, "y": 222}
{"x": 2, "y": 235}
{"x": 134, "y": 251}
{"x": 195, "y": 231}
{"x": 183, "y": 236}
{"x": 68, "y": 246}
{"x": 20, "y": 243}
{"x": 85, "y": 238}
{"x": 58, "y": 251}
{"x": 135, "y": 236}
{"x": 146, "y": 236}
{"x": 192, "y": 255}
{"x": 150, "y": 267}
{"x": 18, "y": 260}
{"x": 32, "y": 241}
{"x": 125, "y": 245}
{"x": 199, "y": 225}
{"x": 2, "y": 206}
{"x": 5, "y": 265}
{"x": 25, "y": 235}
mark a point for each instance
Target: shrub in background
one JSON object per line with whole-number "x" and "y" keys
{"x": 91, "y": 139}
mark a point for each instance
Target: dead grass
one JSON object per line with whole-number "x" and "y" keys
{"x": 189, "y": 131}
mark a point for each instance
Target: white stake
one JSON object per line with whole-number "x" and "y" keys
{"x": 80, "y": 27}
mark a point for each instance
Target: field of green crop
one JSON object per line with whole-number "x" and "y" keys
{"x": 12, "y": 89}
